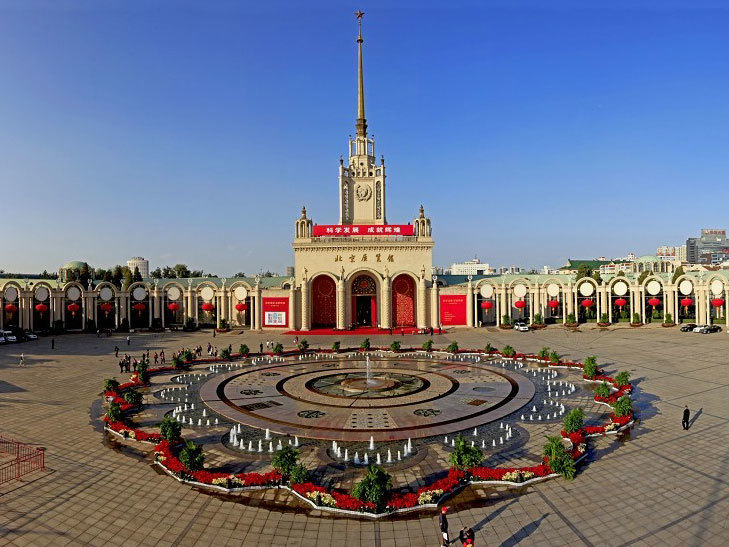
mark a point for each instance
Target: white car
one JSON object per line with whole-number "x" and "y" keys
{"x": 31, "y": 336}
{"x": 9, "y": 336}
{"x": 521, "y": 327}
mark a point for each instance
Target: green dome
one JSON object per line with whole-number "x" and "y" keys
{"x": 73, "y": 265}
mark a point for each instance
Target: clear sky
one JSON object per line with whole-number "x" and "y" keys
{"x": 194, "y": 131}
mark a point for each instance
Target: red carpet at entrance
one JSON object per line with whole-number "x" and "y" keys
{"x": 358, "y": 331}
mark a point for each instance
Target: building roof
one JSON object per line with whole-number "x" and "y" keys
{"x": 73, "y": 265}
{"x": 573, "y": 264}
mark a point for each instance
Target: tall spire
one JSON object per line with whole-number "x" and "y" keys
{"x": 361, "y": 124}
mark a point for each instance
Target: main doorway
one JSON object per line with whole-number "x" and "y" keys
{"x": 364, "y": 301}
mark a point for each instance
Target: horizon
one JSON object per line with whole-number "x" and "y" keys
{"x": 195, "y": 135}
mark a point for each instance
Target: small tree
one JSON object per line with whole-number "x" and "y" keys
{"x": 508, "y": 351}
{"x": 677, "y": 273}
{"x": 452, "y": 347}
{"x": 465, "y": 456}
{"x": 278, "y": 348}
{"x": 188, "y": 355}
{"x": 225, "y": 353}
{"x": 192, "y": 457}
{"x": 622, "y": 378}
{"x": 244, "y": 350}
{"x": 114, "y": 412}
{"x": 558, "y": 458}
{"x": 489, "y": 348}
{"x": 143, "y": 372}
{"x": 111, "y": 385}
{"x": 285, "y": 460}
{"x": 428, "y": 345}
{"x": 574, "y": 420}
{"x": 603, "y": 390}
{"x": 505, "y": 320}
{"x": 336, "y": 345}
{"x": 303, "y": 346}
{"x": 554, "y": 357}
{"x": 365, "y": 345}
{"x": 538, "y": 319}
{"x": 543, "y": 353}
{"x": 374, "y": 487}
{"x": 299, "y": 474}
{"x": 669, "y": 319}
{"x": 636, "y": 318}
{"x": 170, "y": 429}
{"x": 590, "y": 367}
{"x": 604, "y": 318}
{"x": 571, "y": 318}
{"x": 133, "y": 397}
{"x": 395, "y": 346}
{"x": 623, "y": 406}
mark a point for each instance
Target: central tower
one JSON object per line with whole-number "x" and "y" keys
{"x": 362, "y": 180}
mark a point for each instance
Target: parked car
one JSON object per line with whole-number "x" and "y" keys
{"x": 688, "y": 327}
{"x": 2, "y": 339}
{"x": 30, "y": 335}
{"x": 9, "y": 336}
{"x": 712, "y": 328}
{"x": 521, "y": 326}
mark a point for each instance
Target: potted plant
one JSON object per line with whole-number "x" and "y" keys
{"x": 669, "y": 321}
{"x": 604, "y": 320}
{"x": 636, "y": 322}
{"x": 505, "y": 322}
{"x": 336, "y": 345}
{"x": 571, "y": 321}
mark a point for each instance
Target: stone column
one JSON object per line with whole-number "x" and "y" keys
{"x": 434, "y": 303}
{"x": 218, "y": 310}
{"x": 292, "y": 305}
{"x": 421, "y": 305}
{"x": 386, "y": 299}
{"x": 258, "y": 306}
{"x": 504, "y": 304}
{"x": 305, "y": 322}
{"x": 532, "y": 303}
{"x": 340, "y": 303}
{"x": 469, "y": 302}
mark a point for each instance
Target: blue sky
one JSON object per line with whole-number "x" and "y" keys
{"x": 195, "y": 131}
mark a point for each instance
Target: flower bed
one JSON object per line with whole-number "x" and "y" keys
{"x": 427, "y": 496}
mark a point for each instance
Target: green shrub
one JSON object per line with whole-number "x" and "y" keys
{"x": 554, "y": 357}
{"x": 278, "y": 348}
{"x": 489, "y": 348}
{"x": 374, "y": 487}
{"x": 505, "y": 320}
{"x": 285, "y": 460}
{"x": 559, "y": 458}
{"x": 188, "y": 355}
{"x": 170, "y": 429}
{"x": 133, "y": 397}
{"x": 669, "y": 318}
{"x": 590, "y": 369}
{"x": 452, "y": 347}
{"x": 192, "y": 457}
{"x": 465, "y": 456}
{"x": 395, "y": 346}
{"x": 603, "y": 390}
{"x": 223, "y": 323}
{"x": 538, "y": 319}
{"x": 114, "y": 412}
{"x": 571, "y": 318}
{"x": 574, "y": 420}
{"x": 623, "y": 406}
{"x": 336, "y": 345}
{"x": 177, "y": 362}
{"x": 636, "y": 318}
{"x": 428, "y": 345}
{"x": 143, "y": 372}
{"x": 244, "y": 350}
{"x": 543, "y": 353}
{"x": 225, "y": 353}
{"x": 365, "y": 345}
{"x": 299, "y": 474}
{"x": 604, "y": 318}
{"x": 190, "y": 323}
{"x": 111, "y": 385}
{"x": 622, "y": 378}
{"x": 508, "y": 351}
{"x": 303, "y": 345}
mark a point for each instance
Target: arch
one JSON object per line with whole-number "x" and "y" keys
{"x": 11, "y": 318}
{"x": 323, "y": 301}
{"x": 403, "y": 301}
{"x": 364, "y": 289}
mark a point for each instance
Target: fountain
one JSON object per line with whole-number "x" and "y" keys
{"x": 260, "y": 445}
{"x": 346, "y": 455}
{"x": 296, "y": 441}
{"x": 379, "y": 459}
{"x": 279, "y": 446}
{"x": 398, "y": 456}
{"x": 372, "y": 443}
{"x": 356, "y": 458}
{"x": 366, "y": 459}
{"x": 389, "y": 456}
{"x": 268, "y": 434}
{"x": 250, "y": 446}
{"x": 270, "y": 447}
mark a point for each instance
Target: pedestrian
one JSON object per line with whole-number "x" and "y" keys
{"x": 261, "y": 347}
{"x": 121, "y": 366}
{"x": 214, "y": 332}
{"x": 686, "y": 414}
{"x": 22, "y": 359}
{"x": 443, "y": 522}
{"x": 156, "y": 357}
{"x": 162, "y": 356}
{"x": 98, "y": 333}
{"x": 296, "y": 340}
{"x": 53, "y": 343}
{"x": 466, "y": 535}
{"x": 129, "y": 340}
{"x": 116, "y": 351}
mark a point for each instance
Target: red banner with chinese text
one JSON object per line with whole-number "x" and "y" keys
{"x": 336, "y": 230}
{"x": 275, "y": 311}
{"x": 452, "y": 309}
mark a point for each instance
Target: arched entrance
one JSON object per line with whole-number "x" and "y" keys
{"x": 403, "y": 301}
{"x": 324, "y": 302}
{"x": 364, "y": 301}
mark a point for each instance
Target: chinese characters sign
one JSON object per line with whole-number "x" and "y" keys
{"x": 364, "y": 257}
{"x": 452, "y": 309}
{"x": 336, "y": 230}
{"x": 274, "y": 311}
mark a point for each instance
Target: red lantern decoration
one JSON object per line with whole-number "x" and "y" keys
{"x": 686, "y": 302}
{"x": 717, "y": 302}
{"x": 587, "y": 303}
{"x": 240, "y": 306}
{"x": 519, "y": 304}
{"x": 173, "y": 307}
{"x": 653, "y": 302}
{"x": 620, "y": 302}
{"x": 139, "y": 308}
{"x": 487, "y": 305}
{"x": 207, "y": 306}
{"x": 11, "y": 308}
{"x": 73, "y": 308}
{"x": 553, "y": 304}
{"x": 41, "y": 308}
{"x": 106, "y": 307}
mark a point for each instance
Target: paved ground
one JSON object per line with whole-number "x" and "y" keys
{"x": 663, "y": 486}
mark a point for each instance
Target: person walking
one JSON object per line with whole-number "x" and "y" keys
{"x": 443, "y": 523}
{"x": 116, "y": 351}
{"x": 162, "y": 356}
{"x": 261, "y": 348}
{"x": 466, "y": 535}
{"x": 686, "y": 415}
{"x": 121, "y": 366}
{"x": 53, "y": 343}
{"x": 129, "y": 340}
{"x": 22, "y": 360}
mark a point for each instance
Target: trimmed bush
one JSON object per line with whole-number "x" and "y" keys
{"x": 622, "y": 378}
{"x": 538, "y": 319}
{"x": 285, "y": 460}
{"x": 489, "y": 348}
{"x": 623, "y": 406}
{"x": 571, "y": 318}
{"x": 590, "y": 369}
{"x": 505, "y": 320}
{"x": 374, "y": 487}
{"x": 278, "y": 348}
{"x": 559, "y": 458}
{"x": 111, "y": 385}
{"x": 365, "y": 345}
{"x": 133, "y": 397}
{"x": 336, "y": 345}
{"x": 303, "y": 345}
{"x": 192, "y": 457}
{"x": 452, "y": 347}
{"x": 188, "y": 355}
{"x": 170, "y": 429}
{"x": 636, "y": 318}
{"x": 554, "y": 357}
{"x": 225, "y": 353}
{"x": 543, "y": 353}
{"x": 177, "y": 362}
{"x": 574, "y": 420}
{"x": 508, "y": 351}
{"x": 244, "y": 350}
{"x": 669, "y": 318}
{"x": 465, "y": 456}
{"x": 114, "y": 412}
{"x": 428, "y": 345}
{"x": 603, "y": 390}
{"x": 299, "y": 474}
{"x": 395, "y": 346}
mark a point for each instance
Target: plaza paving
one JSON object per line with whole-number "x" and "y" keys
{"x": 661, "y": 486}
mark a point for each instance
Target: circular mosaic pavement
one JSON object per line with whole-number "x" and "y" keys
{"x": 335, "y": 400}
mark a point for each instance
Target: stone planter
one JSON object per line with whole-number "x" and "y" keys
{"x": 506, "y": 327}
{"x": 603, "y": 325}
{"x": 572, "y": 325}
{"x": 636, "y": 324}
{"x": 668, "y": 325}
{"x": 538, "y": 327}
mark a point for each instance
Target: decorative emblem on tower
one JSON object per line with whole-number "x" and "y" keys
{"x": 364, "y": 193}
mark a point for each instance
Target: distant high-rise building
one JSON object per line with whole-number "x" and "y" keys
{"x": 470, "y": 267}
{"x": 289, "y": 271}
{"x": 141, "y": 263}
{"x": 668, "y": 252}
{"x": 712, "y": 241}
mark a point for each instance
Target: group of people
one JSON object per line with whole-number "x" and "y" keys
{"x": 466, "y": 535}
